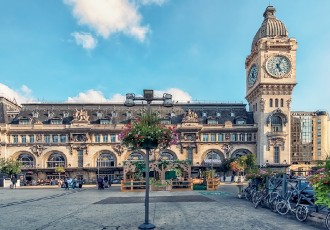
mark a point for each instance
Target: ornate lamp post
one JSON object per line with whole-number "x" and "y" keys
{"x": 148, "y": 96}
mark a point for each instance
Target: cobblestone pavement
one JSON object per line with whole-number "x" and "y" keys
{"x": 46, "y": 209}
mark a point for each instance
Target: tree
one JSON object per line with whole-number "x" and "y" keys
{"x": 225, "y": 165}
{"x": 10, "y": 166}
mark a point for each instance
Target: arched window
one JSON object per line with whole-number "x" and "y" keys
{"x": 166, "y": 156}
{"x": 212, "y": 158}
{"x": 135, "y": 157}
{"x": 105, "y": 160}
{"x": 276, "y": 102}
{"x": 282, "y": 103}
{"x": 276, "y": 124}
{"x": 56, "y": 160}
{"x": 26, "y": 160}
{"x": 271, "y": 102}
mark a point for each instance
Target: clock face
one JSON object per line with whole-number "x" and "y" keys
{"x": 278, "y": 66}
{"x": 253, "y": 74}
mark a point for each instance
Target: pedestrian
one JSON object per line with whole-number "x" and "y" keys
{"x": 74, "y": 183}
{"x": 13, "y": 181}
{"x": 100, "y": 183}
{"x": 80, "y": 183}
{"x": 66, "y": 183}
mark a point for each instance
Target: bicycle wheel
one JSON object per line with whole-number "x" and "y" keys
{"x": 257, "y": 199}
{"x": 327, "y": 221}
{"x": 282, "y": 208}
{"x": 301, "y": 213}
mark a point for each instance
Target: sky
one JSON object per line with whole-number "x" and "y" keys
{"x": 99, "y": 50}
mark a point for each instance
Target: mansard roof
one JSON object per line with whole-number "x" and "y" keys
{"x": 120, "y": 114}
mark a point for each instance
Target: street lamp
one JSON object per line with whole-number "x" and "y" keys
{"x": 148, "y": 96}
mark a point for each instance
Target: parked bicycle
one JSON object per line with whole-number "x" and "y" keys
{"x": 284, "y": 207}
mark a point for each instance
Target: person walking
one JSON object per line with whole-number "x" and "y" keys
{"x": 100, "y": 183}
{"x": 74, "y": 183}
{"x": 66, "y": 183}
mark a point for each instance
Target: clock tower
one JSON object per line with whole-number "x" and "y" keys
{"x": 270, "y": 79}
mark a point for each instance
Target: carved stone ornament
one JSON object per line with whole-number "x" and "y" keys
{"x": 288, "y": 103}
{"x": 78, "y": 147}
{"x": 190, "y": 116}
{"x": 81, "y": 115}
{"x": 190, "y": 137}
{"x": 37, "y": 150}
{"x": 226, "y": 149}
{"x": 276, "y": 142}
{"x": 79, "y": 137}
{"x": 119, "y": 149}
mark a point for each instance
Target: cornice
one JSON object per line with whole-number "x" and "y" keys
{"x": 270, "y": 89}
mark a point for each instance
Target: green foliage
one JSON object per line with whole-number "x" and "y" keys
{"x": 10, "y": 166}
{"x": 148, "y": 130}
{"x": 209, "y": 174}
{"x": 251, "y": 161}
{"x": 321, "y": 185}
{"x": 225, "y": 165}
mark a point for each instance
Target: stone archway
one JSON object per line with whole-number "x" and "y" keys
{"x": 104, "y": 159}
{"x": 240, "y": 152}
{"x": 212, "y": 157}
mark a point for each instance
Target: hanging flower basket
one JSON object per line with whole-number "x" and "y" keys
{"x": 147, "y": 132}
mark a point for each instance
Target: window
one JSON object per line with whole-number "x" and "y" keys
{"x": 63, "y": 138}
{"x": 167, "y": 156}
{"x": 105, "y": 137}
{"x": 80, "y": 158}
{"x": 282, "y": 103}
{"x": 204, "y": 114}
{"x": 104, "y": 121}
{"x": 233, "y": 137}
{"x": 249, "y": 137}
{"x": 47, "y": 138}
{"x": 220, "y": 137}
{"x": 15, "y": 138}
{"x": 31, "y": 137}
{"x": 97, "y": 138}
{"x": 213, "y": 137}
{"x": 24, "y": 121}
{"x": 56, "y": 160}
{"x": 271, "y": 102}
{"x": 112, "y": 137}
{"x": 23, "y": 138}
{"x": 55, "y": 138}
{"x": 218, "y": 114}
{"x": 55, "y": 121}
{"x": 26, "y": 160}
{"x": 276, "y": 102}
{"x": 276, "y": 155}
{"x": 105, "y": 160}
{"x": 240, "y": 122}
{"x": 232, "y": 114}
{"x": 205, "y": 137}
{"x": 242, "y": 137}
{"x": 318, "y": 134}
{"x": 135, "y": 157}
{"x": 212, "y": 122}
{"x": 276, "y": 124}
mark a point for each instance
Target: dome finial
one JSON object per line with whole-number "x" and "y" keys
{"x": 270, "y": 12}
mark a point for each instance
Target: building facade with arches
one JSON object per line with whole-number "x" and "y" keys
{"x": 83, "y": 137}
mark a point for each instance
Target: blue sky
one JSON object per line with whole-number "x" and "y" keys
{"x": 84, "y": 50}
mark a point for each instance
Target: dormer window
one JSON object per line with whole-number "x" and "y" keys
{"x": 114, "y": 114}
{"x": 172, "y": 114}
{"x": 50, "y": 114}
{"x": 99, "y": 115}
{"x": 218, "y": 114}
{"x": 165, "y": 121}
{"x": 128, "y": 115}
{"x": 212, "y": 122}
{"x": 24, "y": 121}
{"x": 35, "y": 114}
{"x": 105, "y": 121}
{"x": 56, "y": 121}
{"x": 204, "y": 114}
{"x": 240, "y": 121}
{"x": 232, "y": 114}
{"x": 65, "y": 114}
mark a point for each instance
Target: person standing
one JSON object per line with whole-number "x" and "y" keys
{"x": 80, "y": 183}
{"x": 74, "y": 183}
{"x": 66, "y": 183}
{"x": 13, "y": 181}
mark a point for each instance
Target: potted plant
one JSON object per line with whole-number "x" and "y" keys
{"x": 147, "y": 132}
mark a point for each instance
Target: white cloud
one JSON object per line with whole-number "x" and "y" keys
{"x": 86, "y": 40}
{"x": 24, "y": 94}
{"x": 95, "y": 96}
{"x": 149, "y": 2}
{"x": 90, "y": 96}
{"x": 177, "y": 94}
{"x": 106, "y": 17}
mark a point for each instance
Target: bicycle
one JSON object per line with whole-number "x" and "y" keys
{"x": 300, "y": 211}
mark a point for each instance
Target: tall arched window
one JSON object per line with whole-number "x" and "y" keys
{"x": 166, "y": 156}
{"x": 276, "y": 124}
{"x": 282, "y": 103}
{"x": 212, "y": 158}
{"x": 271, "y": 102}
{"x": 56, "y": 160}
{"x": 26, "y": 160}
{"x": 276, "y": 102}
{"x": 105, "y": 160}
{"x": 135, "y": 157}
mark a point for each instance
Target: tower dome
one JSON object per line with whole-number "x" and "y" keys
{"x": 270, "y": 27}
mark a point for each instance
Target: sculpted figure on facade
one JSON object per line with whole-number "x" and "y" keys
{"x": 37, "y": 150}
{"x": 190, "y": 116}
{"x": 81, "y": 115}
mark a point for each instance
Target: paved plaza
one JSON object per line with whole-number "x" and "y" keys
{"x": 55, "y": 208}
